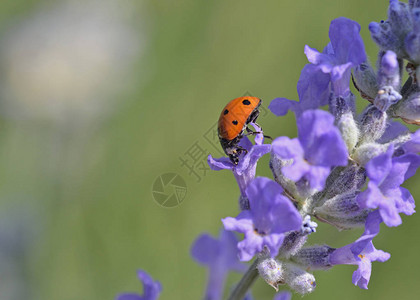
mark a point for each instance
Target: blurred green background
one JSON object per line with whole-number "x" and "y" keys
{"x": 77, "y": 213}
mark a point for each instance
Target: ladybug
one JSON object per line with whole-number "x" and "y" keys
{"x": 233, "y": 121}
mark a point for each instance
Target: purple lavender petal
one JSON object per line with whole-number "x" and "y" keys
{"x": 250, "y": 245}
{"x": 403, "y": 167}
{"x": 327, "y": 150}
{"x": 271, "y": 211}
{"x": 361, "y": 276}
{"x": 242, "y": 223}
{"x": 393, "y": 130}
{"x": 298, "y": 169}
{"x": 345, "y": 51}
{"x": 249, "y": 161}
{"x": 406, "y": 205}
{"x": 325, "y": 62}
{"x": 246, "y": 143}
{"x": 151, "y": 289}
{"x": 228, "y": 243}
{"x": 217, "y": 164}
{"x": 313, "y": 91}
{"x": 270, "y": 215}
{"x": 287, "y": 148}
{"x": 259, "y": 138}
{"x": 346, "y": 41}
{"x": 372, "y": 197}
{"x": 205, "y": 249}
{"x": 414, "y": 163}
{"x": 318, "y": 148}
{"x": 129, "y": 296}
{"x": 284, "y": 295}
{"x": 220, "y": 255}
{"x": 321, "y": 140}
{"x": 281, "y": 106}
{"x": 413, "y": 146}
{"x": 273, "y": 242}
{"x": 389, "y": 63}
{"x": 379, "y": 167}
{"x": 317, "y": 177}
{"x": 362, "y": 252}
{"x": 313, "y": 88}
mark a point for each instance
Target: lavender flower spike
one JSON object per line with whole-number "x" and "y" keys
{"x": 220, "y": 255}
{"x": 270, "y": 216}
{"x": 319, "y": 147}
{"x": 362, "y": 253}
{"x": 244, "y": 172}
{"x": 151, "y": 289}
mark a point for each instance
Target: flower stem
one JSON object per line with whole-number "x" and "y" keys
{"x": 247, "y": 280}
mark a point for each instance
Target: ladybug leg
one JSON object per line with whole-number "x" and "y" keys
{"x": 250, "y": 132}
{"x": 240, "y": 150}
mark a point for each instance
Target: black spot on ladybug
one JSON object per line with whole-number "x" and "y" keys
{"x": 234, "y": 122}
{"x": 225, "y": 112}
{"x": 246, "y": 102}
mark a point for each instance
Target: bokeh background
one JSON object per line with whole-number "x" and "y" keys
{"x": 100, "y": 98}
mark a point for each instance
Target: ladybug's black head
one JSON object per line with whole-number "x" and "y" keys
{"x": 232, "y": 149}
{"x": 234, "y": 158}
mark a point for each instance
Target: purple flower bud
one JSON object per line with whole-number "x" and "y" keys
{"x": 386, "y": 97}
{"x": 271, "y": 271}
{"x": 413, "y": 145}
{"x": 342, "y": 180}
{"x": 298, "y": 279}
{"x": 151, "y": 289}
{"x": 348, "y": 129}
{"x": 292, "y": 243}
{"x": 299, "y": 190}
{"x": 416, "y": 18}
{"x": 342, "y": 211}
{"x": 395, "y": 132}
{"x": 389, "y": 71}
{"x": 373, "y": 124}
{"x": 399, "y": 16}
{"x": 412, "y": 40}
{"x": 308, "y": 226}
{"x": 385, "y": 38}
{"x": 367, "y": 151}
{"x": 409, "y": 109}
{"x": 314, "y": 258}
{"x": 413, "y": 3}
{"x": 365, "y": 79}
{"x": 340, "y": 105}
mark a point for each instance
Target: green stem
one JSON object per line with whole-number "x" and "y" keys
{"x": 246, "y": 282}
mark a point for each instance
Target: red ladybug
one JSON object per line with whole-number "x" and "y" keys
{"x": 233, "y": 120}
